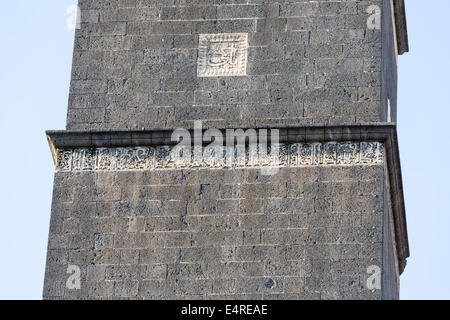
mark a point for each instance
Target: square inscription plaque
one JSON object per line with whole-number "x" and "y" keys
{"x": 222, "y": 55}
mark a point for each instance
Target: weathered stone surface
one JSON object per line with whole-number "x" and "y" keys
{"x": 136, "y": 63}
{"x": 282, "y": 249}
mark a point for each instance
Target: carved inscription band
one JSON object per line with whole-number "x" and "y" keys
{"x": 166, "y": 157}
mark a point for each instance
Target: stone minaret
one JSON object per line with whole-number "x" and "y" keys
{"x": 318, "y": 215}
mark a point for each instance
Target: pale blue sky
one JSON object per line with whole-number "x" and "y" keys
{"x": 35, "y": 61}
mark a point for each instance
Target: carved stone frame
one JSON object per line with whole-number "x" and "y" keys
{"x": 207, "y": 41}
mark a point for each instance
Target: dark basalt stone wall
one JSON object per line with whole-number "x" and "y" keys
{"x": 308, "y": 232}
{"x": 135, "y": 64}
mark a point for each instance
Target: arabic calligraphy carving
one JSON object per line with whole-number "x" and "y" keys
{"x": 222, "y": 55}
{"x": 166, "y": 157}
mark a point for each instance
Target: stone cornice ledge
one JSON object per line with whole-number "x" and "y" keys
{"x": 385, "y": 132}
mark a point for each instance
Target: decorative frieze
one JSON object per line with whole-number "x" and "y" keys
{"x": 254, "y": 156}
{"x": 222, "y": 55}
